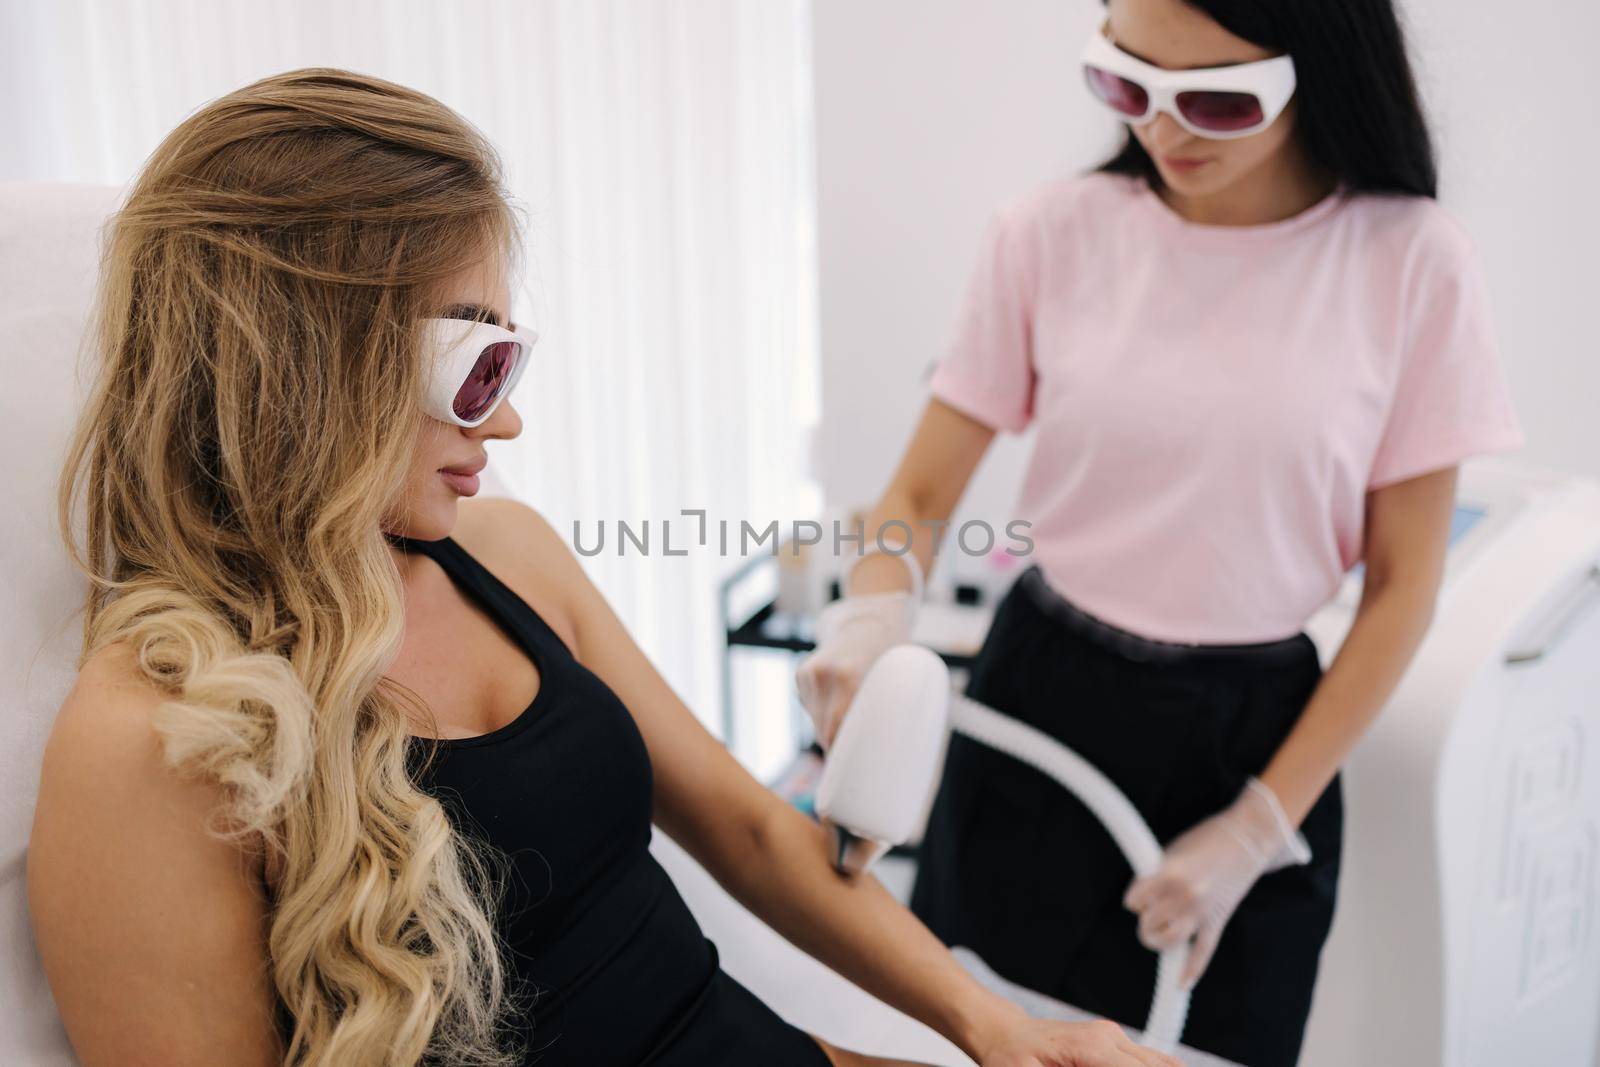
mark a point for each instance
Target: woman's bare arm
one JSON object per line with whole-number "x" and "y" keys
{"x": 769, "y": 857}
{"x": 1406, "y": 539}
{"x": 944, "y": 451}
{"x": 152, "y": 931}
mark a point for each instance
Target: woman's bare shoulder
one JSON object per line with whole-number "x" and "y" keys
{"x": 106, "y": 724}
{"x": 105, "y": 757}
{"x": 106, "y": 773}
{"x": 150, "y": 926}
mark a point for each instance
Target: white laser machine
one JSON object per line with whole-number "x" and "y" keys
{"x": 1465, "y": 930}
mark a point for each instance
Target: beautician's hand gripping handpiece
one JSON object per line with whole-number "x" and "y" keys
{"x": 884, "y": 760}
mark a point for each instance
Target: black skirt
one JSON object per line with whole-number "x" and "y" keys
{"x": 1017, "y": 869}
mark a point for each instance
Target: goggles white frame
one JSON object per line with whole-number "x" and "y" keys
{"x": 451, "y": 348}
{"x": 1271, "y": 81}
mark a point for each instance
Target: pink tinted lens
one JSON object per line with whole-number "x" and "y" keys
{"x": 1222, "y": 112}
{"x": 1117, "y": 92}
{"x": 487, "y": 380}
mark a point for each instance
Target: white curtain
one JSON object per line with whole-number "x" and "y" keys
{"x": 663, "y": 153}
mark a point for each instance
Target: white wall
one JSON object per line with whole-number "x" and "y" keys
{"x": 930, "y": 112}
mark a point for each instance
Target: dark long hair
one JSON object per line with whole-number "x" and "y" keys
{"x": 1360, "y": 116}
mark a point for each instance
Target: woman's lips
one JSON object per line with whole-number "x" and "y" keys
{"x": 465, "y": 484}
{"x": 463, "y": 477}
{"x": 1185, "y": 165}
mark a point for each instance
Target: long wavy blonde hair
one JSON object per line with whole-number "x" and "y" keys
{"x": 254, "y": 414}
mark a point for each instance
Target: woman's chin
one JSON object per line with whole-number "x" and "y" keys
{"x": 1196, "y": 182}
{"x": 442, "y": 520}
{"x": 430, "y": 523}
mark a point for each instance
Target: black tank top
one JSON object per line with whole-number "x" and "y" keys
{"x": 605, "y": 960}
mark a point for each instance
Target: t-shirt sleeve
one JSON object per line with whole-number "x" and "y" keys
{"x": 1451, "y": 400}
{"x": 987, "y": 371}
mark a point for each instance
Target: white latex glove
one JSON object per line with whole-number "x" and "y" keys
{"x": 851, "y": 634}
{"x": 1207, "y": 871}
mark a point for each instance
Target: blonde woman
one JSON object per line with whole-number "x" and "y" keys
{"x": 357, "y": 771}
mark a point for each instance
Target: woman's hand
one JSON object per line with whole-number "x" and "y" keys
{"x": 1207, "y": 871}
{"x": 1050, "y": 1043}
{"x": 851, "y": 634}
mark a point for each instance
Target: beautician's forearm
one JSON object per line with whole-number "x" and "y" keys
{"x": 1387, "y": 630}
{"x": 859, "y": 930}
{"x": 945, "y": 449}
{"x": 878, "y": 574}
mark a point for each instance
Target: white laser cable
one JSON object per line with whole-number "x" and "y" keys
{"x": 884, "y": 763}
{"x": 1169, "y": 1007}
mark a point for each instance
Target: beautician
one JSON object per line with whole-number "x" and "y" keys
{"x": 1255, "y": 349}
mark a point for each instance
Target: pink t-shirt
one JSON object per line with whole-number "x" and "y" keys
{"x": 1214, "y": 402}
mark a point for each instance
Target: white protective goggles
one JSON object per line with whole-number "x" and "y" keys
{"x": 472, "y": 367}
{"x": 1214, "y": 102}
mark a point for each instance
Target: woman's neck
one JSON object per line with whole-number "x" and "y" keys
{"x": 1280, "y": 188}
